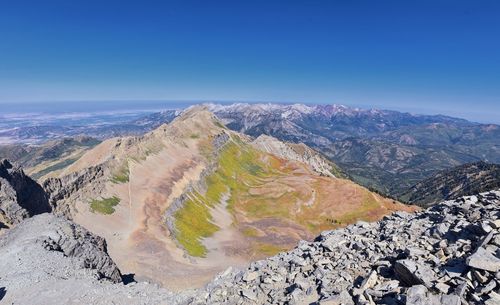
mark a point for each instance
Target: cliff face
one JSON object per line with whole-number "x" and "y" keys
{"x": 64, "y": 191}
{"x": 298, "y": 152}
{"x": 20, "y": 196}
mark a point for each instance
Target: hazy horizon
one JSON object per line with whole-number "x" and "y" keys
{"x": 427, "y": 57}
{"x": 149, "y": 106}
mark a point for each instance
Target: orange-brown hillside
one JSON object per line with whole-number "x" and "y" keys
{"x": 192, "y": 198}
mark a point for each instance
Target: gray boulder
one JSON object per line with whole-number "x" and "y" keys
{"x": 484, "y": 260}
{"x": 414, "y": 273}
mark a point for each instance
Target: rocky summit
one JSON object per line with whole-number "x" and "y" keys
{"x": 448, "y": 254}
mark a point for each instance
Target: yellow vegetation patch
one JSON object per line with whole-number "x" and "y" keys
{"x": 251, "y": 232}
{"x": 269, "y": 249}
{"x": 238, "y": 166}
{"x": 193, "y": 222}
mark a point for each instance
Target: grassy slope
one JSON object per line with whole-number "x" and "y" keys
{"x": 238, "y": 167}
{"x": 54, "y": 167}
{"x": 263, "y": 187}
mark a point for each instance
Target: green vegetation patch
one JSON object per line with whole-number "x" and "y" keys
{"x": 238, "y": 167}
{"x": 337, "y": 172}
{"x": 251, "y": 232}
{"x": 105, "y": 205}
{"x": 220, "y": 125}
{"x": 270, "y": 249}
{"x": 122, "y": 174}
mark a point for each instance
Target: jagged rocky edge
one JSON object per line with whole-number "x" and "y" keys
{"x": 59, "y": 190}
{"x": 20, "y": 196}
{"x": 314, "y": 159}
{"x": 218, "y": 142}
{"x": 447, "y": 254}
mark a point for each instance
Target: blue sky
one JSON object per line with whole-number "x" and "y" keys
{"x": 422, "y": 56}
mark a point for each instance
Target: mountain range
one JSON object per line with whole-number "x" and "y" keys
{"x": 192, "y": 197}
{"x": 387, "y": 151}
{"x": 198, "y": 205}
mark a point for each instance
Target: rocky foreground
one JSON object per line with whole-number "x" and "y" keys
{"x": 447, "y": 254}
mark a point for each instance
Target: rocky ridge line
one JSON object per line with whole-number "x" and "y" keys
{"x": 298, "y": 152}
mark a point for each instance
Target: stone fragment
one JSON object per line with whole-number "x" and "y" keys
{"x": 413, "y": 273}
{"x": 484, "y": 260}
{"x": 417, "y": 295}
{"x": 493, "y": 299}
{"x": 250, "y": 276}
{"x": 344, "y": 298}
{"x": 489, "y": 287}
{"x": 249, "y": 294}
{"x": 368, "y": 282}
{"x": 450, "y": 299}
{"x": 442, "y": 287}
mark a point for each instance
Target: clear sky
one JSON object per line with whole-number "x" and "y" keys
{"x": 423, "y": 56}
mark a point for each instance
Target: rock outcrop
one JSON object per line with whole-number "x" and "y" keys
{"x": 298, "y": 152}
{"x": 63, "y": 192}
{"x": 41, "y": 240}
{"x": 49, "y": 260}
{"x": 20, "y": 196}
{"x": 448, "y": 254}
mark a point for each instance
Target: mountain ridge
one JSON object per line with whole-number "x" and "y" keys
{"x": 233, "y": 202}
{"x": 452, "y": 183}
{"x": 388, "y": 151}
{"x": 360, "y": 141}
